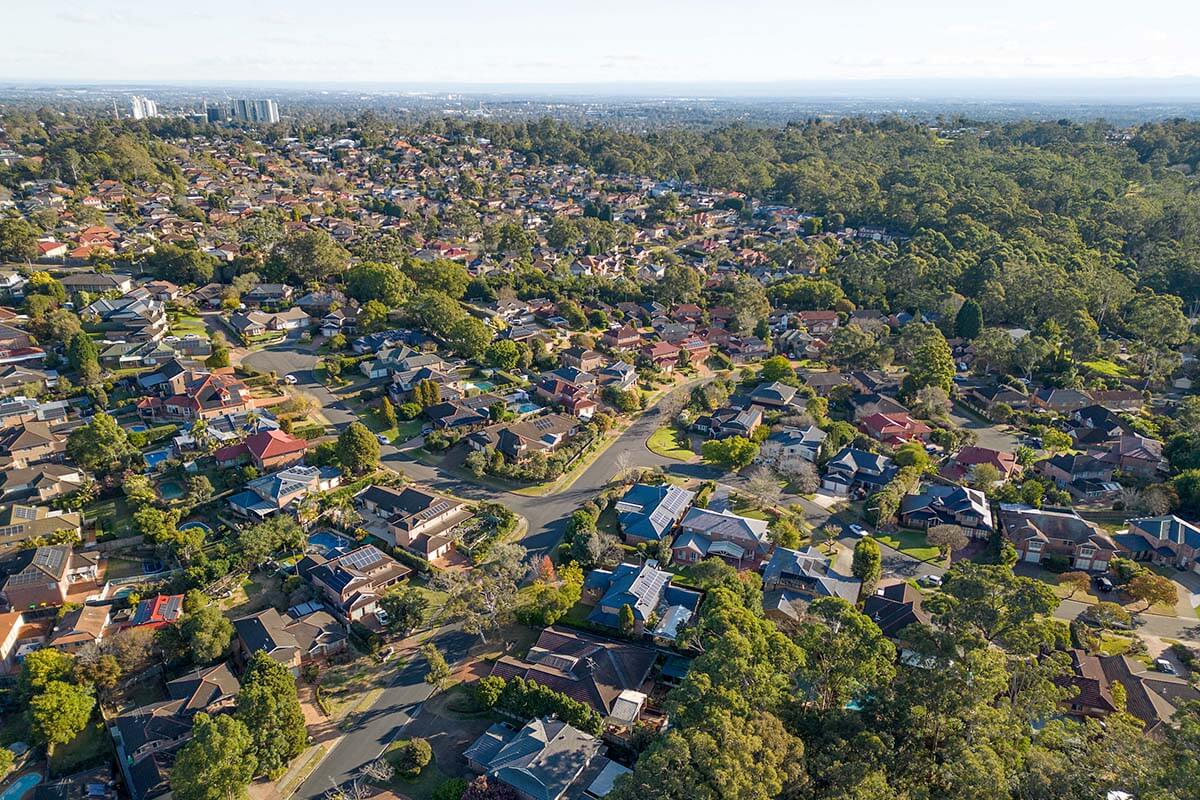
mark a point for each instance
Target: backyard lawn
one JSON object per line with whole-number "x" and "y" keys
{"x": 911, "y": 543}
{"x": 89, "y": 747}
{"x": 671, "y": 442}
{"x": 112, "y": 517}
{"x": 184, "y": 324}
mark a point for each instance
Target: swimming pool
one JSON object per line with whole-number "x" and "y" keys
{"x": 138, "y": 428}
{"x": 21, "y": 786}
{"x": 156, "y": 457}
{"x": 483, "y": 386}
{"x": 328, "y": 542}
{"x": 170, "y": 490}
{"x": 527, "y": 408}
{"x": 195, "y": 523}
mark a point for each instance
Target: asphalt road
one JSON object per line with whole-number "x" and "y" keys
{"x": 375, "y": 728}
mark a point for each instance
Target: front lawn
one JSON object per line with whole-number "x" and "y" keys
{"x": 183, "y": 324}
{"x": 420, "y": 787}
{"x": 911, "y": 543}
{"x": 671, "y": 442}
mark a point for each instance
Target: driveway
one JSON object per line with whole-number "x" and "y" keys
{"x": 374, "y": 729}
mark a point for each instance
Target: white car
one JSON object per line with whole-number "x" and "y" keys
{"x": 930, "y": 580}
{"x": 858, "y": 530}
{"x": 382, "y": 439}
{"x": 290, "y": 380}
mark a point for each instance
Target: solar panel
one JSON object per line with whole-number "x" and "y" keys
{"x": 24, "y": 512}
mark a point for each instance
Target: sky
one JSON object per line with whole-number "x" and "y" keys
{"x": 611, "y": 41}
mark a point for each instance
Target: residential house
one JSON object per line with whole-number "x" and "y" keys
{"x": 96, "y": 282}
{"x": 1039, "y": 533}
{"x": 1090, "y": 693}
{"x": 519, "y": 440}
{"x": 581, "y": 358}
{"x": 963, "y": 463}
{"x": 796, "y": 577}
{"x": 291, "y": 640}
{"x": 823, "y": 383}
{"x": 896, "y": 606}
{"x": 258, "y": 323}
{"x": 773, "y": 395}
{"x": 30, "y": 443}
{"x": 40, "y": 483}
{"x": 48, "y": 574}
{"x": 80, "y": 626}
{"x": 20, "y": 523}
{"x": 618, "y": 375}
{"x": 649, "y": 513}
{"x": 187, "y": 394}
{"x": 268, "y": 294}
{"x": 268, "y": 450}
{"x": 263, "y": 497}
{"x": 703, "y": 532}
{"x": 854, "y": 471}
{"x": 818, "y": 323}
{"x": 989, "y": 398}
{"x": 572, "y": 397}
{"x": 1136, "y": 455}
{"x": 1165, "y": 539}
{"x": 1061, "y": 400}
{"x": 611, "y": 677}
{"x": 894, "y": 429}
{"x": 730, "y": 421}
{"x": 547, "y": 759}
{"x": 1151, "y": 696}
{"x": 786, "y": 447}
{"x": 1084, "y": 476}
{"x": 157, "y": 612}
{"x": 419, "y": 521}
{"x": 135, "y": 316}
{"x": 352, "y": 582}
{"x": 626, "y": 337}
{"x": 938, "y": 504}
{"x": 659, "y": 608}
{"x": 663, "y": 355}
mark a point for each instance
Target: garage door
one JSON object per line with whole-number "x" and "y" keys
{"x": 1031, "y": 557}
{"x": 1083, "y": 563}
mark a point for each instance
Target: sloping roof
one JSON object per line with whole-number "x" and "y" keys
{"x": 1168, "y": 528}
{"x": 589, "y": 669}
{"x": 274, "y": 443}
{"x": 895, "y": 607}
{"x": 650, "y": 511}
{"x": 543, "y": 759}
{"x": 724, "y": 524}
{"x": 811, "y": 569}
{"x": 203, "y": 688}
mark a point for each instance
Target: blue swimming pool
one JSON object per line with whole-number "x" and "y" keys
{"x": 138, "y": 428}
{"x": 527, "y": 408}
{"x": 156, "y": 457}
{"x": 21, "y": 786}
{"x": 328, "y": 542}
{"x": 195, "y": 523}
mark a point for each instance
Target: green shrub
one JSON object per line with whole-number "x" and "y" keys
{"x": 450, "y": 790}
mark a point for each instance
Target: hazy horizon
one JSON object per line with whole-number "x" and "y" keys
{"x": 542, "y": 43}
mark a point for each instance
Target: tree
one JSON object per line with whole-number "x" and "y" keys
{"x": 259, "y": 542}
{"x": 1075, "y": 581}
{"x": 426, "y": 392}
{"x": 848, "y": 657}
{"x": 267, "y": 704}
{"x": 437, "y": 671}
{"x": 867, "y": 564}
{"x": 680, "y": 283}
{"x": 503, "y": 354}
{"x": 374, "y": 280}
{"x": 762, "y": 488}
{"x": 60, "y": 711}
{"x": 358, "y": 449}
{"x": 947, "y": 538}
{"x": 968, "y": 324}
{"x": 217, "y": 763}
{"x": 627, "y": 622}
{"x": 84, "y": 358}
{"x": 101, "y": 446}
{"x": 405, "y": 608}
{"x": 7, "y": 759}
{"x": 206, "y": 633}
{"x": 469, "y": 338}
{"x": 932, "y": 364}
{"x": 18, "y": 240}
{"x": 439, "y": 275}
{"x": 1152, "y": 588}
{"x": 373, "y": 317}
{"x": 41, "y": 668}
{"x": 784, "y": 533}
{"x": 414, "y": 756}
{"x": 984, "y": 476}
{"x": 309, "y": 255}
{"x": 483, "y": 789}
{"x": 777, "y": 368}
{"x": 218, "y": 358}
{"x": 733, "y": 453}
{"x": 988, "y": 599}
{"x": 387, "y": 413}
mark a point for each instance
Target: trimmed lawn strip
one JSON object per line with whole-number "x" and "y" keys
{"x": 671, "y": 442}
{"x": 911, "y": 543}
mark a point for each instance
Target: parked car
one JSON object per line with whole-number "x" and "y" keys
{"x": 382, "y": 439}
{"x": 858, "y": 530}
{"x": 290, "y": 380}
{"x": 930, "y": 581}
{"x": 382, "y": 616}
{"x": 1164, "y": 666}
{"x": 1104, "y": 584}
